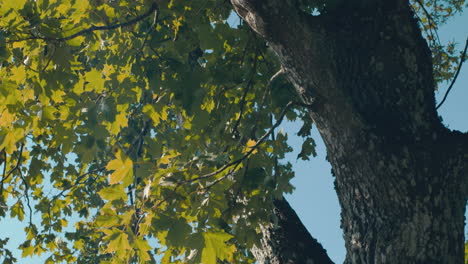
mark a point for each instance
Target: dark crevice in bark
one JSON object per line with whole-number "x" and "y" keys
{"x": 287, "y": 241}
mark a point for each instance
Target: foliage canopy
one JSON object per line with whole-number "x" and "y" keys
{"x": 151, "y": 126}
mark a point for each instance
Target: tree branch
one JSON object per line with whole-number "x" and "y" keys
{"x": 264, "y": 96}
{"x": 462, "y": 59}
{"x": 26, "y": 193}
{"x": 243, "y": 99}
{"x": 432, "y": 23}
{"x": 301, "y": 247}
{"x": 77, "y": 182}
{"x": 252, "y": 149}
{"x": 153, "y": 8}
{"x": 18, "y": 163}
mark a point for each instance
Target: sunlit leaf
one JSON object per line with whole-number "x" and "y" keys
{"x": 122, "y": 167}
{"x": 216, "y": 248}
{"x": 114, "y": 192}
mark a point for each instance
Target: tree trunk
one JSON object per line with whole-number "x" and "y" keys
{"x": 366, "y": 73}
{"x": 287, "y": 241}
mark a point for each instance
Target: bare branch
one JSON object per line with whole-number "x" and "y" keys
{"x": 462, "y": 59}
{"x": 4, "y": 160}
{"x": 18, "y": 163}
{"x": 26, "y": 194}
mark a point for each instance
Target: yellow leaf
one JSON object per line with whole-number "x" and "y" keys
{"x": 81, "y": 7}
{"x": 17, "y": 210}
{"x": 48, "y": 112}
{"x": 208, "y": 105}
{"x": 108, "y": 69}
{"x": 27, "y": 94}
{"x": 251, "y": 144}
{"x": 216, "y": 247}
{"x": 166, "y": 158}
{"x": 10, "y": 140}
{"x": 119, "y": 244}
{"x": 143, "y": 248}
{"x": 78, "y": 244}
{"x": 155, "y": 116}
{"x": 64, "y": 112}
{"x": 166, "y": 259}
{"x": 27, "y": 251}
{"x": 227, "y": 47}
{"x": 120, "y": 121}
{"x": 79, "y": 86}
{"x": 19, "y": 74}
{"x": 107, "y": 220}
{"x": 123, "y": 168}
{"x": 112, "y": 193}
{"x": 76, "y": 41}
{"x": 108, "y": 10}
{"x": 16, "y": 4}
{"x": 96, "y": 81}
{"x": 6, "y": 118}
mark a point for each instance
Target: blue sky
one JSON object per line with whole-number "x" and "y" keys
{"x": 315, "y": 199}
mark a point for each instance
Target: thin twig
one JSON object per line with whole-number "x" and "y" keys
{"x": 252, "y": 149}
{"x": 26, "y": 190}
{"x": 4, "y": 168}
{"x": 244, "y": 96}
{"x": 273, "y": 138}
{"x": 432, "y": 23}
{"x": 242, "y": 105}
{"x": 237, "y": 162}
{"x": 93, "y": 28}
{"x": 265, "y": 93}
{"x": 18, "y": 163}
{"x": 230, "y": 173}
{"x": 77, "y": 182}
{"x": 268, "y": 86}
{"x": 462, "y": 59}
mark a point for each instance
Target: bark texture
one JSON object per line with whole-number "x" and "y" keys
{"x": 366, "y": 72}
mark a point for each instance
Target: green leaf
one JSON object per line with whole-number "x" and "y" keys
{"x": 107, "y": 220}
{"x": 308, "y": 149}
{"x": 123, "y": 169}
{"x": 119, "y": 243}
{"x": 178, "y": 232}
{"x": 17, "y": 210}
{"x": 143, "y": 247}
{"x": 216, "y": 248}
{"x": 96, "y": 81}
{"x": 150, "y": 111}
{"x": 113, "y": 193}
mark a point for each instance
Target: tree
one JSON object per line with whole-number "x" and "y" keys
{"x": 152, "y": 125}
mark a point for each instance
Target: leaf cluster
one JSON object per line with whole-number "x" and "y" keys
{"x": 135, "y": 131}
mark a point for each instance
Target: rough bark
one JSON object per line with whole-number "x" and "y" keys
{"x": 366, "y": 71}
{"x": 287, "y": 241}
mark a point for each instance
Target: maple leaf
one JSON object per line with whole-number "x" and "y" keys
{"x": 122, "y": 167}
